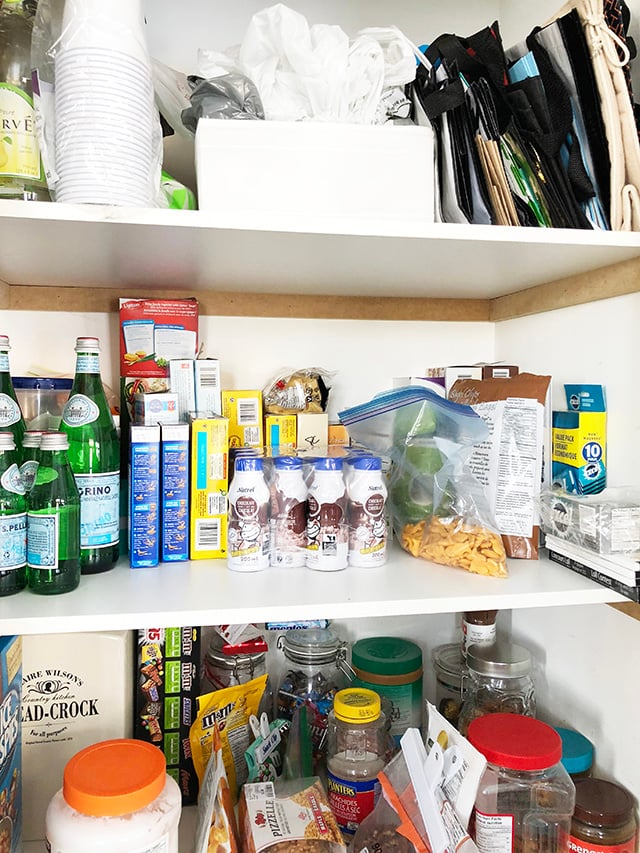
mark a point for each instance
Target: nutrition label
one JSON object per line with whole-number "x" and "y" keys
{"x": 494, "y": 833}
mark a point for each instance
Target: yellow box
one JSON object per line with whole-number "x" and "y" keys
{"x": 338, "y": 434}
{"x": 244, "y": 412}
{"x": 280, "y": 430}
{"x": 579, "y": 451}
{"x": 209, "y": 484}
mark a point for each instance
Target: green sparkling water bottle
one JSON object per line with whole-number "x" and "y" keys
{"x": 30, "y": 457}
{"x": 11, "y": 419}
{"x": 94, "y": 454}
{"x": 13, "y": 520}
{"x": 53, "y": 521}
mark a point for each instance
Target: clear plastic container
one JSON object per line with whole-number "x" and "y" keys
{"x": 226, "y": 665}
{"x": 116, "y": 797}
{"x": 357, "y": 743}
{"x": 498, "y": 680}
{"x": 525, "y": 798}
{"x": 316, "y": 671}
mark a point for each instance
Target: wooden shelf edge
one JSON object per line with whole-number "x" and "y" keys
{"x": 629, "y": 608}
{"x": 233, "y": 304}
{"x": 607, "y": 282}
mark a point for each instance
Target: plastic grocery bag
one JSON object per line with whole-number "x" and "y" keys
{"x": 439, "y": 510}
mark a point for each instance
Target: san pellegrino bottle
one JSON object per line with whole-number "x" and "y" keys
{"x": 13, "y": 520}
{"x": 21, "y": 172}
{"x": 53, "y": 521}
{"x": 94, "y": 454}
{"x": 30, "y": 457}
{"x": 11, "y": 419}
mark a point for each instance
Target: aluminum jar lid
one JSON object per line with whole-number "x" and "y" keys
{"x": 515, "y": 742}
{"x": 448, "y": 664}
{"x": 114, "y": 777}
{"x": 386, "y": 656}
{"x": 602, "y": 803}
{"x": 501, "y": 659}
{"x": 311, "y": 645}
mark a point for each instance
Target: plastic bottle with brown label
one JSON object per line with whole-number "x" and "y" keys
{"x": 327, "y": 531}
{"x": 367, "y": 495}
{"x": 248, "y": 536}
{"x": 289, "y": 521}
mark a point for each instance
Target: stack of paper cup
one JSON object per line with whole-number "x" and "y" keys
{"x": 105, "y": 112}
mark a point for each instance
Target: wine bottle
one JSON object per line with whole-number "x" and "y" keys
{"x": 94, "y": 454}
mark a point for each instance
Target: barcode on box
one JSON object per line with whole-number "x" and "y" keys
{"x": 208, "y": 534}
{"x": 216, "y": 504}
{"x": 209, "y": 377}
{"x": 248, "y": 412}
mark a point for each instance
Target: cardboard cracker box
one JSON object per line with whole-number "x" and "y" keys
{"x": 244, "y": 411}
{"x": 144, "y": 496}
{"x": 174, "y": 487}
{"x": 209, "y": 474}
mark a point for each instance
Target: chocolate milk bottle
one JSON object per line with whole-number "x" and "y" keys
{"x": 367, "y": 495}
{"x": 248, "y": 538}
{"x": 289, "y": 517}
{"x": 327, "y": 534}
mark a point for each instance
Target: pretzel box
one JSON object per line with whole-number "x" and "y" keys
{"x": 167, "y": 684}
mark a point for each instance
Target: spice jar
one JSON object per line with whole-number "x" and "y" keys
{"x": 448, "y": 666}
{"x": 392, "y": 667}
{"x": 604, "y": 819}
{"x": 525, "y": 798}
{"x": 356, "y": 753}
{"x": 116, "y": 797}
{"x": 498, "y": 680}
{"x": 478, "y": 629}
{"x": 317, "y": 669}
{"x": 577, "y": 753}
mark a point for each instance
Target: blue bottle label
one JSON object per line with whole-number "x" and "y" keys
{"x": 99, "y": 509}
{"x": 42, "y": 541}
{"x": 9, "y": 411}
{"x": 13, "y": 541}
{"x": 4, "y": 362}
{"x": 79, "y": 410}
{"x": 28, "y": 471}
{"x": 12, "y": 481}
{"x": 88, "y": 363}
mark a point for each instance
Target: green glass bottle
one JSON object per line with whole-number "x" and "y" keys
{"x": 11, "y": 419}
{"x": 30, "y": 457}
{"x": 94, "y": 454}
{"x": 53, "y": 521}
{"x": 13, "y": 520}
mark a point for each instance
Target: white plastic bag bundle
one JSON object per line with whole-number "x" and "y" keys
{"x": 316, "y": 72}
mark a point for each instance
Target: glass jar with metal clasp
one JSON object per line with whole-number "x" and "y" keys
{"x": 227, "y": 664}
{"x": 315, "y": 669}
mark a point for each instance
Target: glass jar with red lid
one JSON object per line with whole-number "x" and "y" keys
{"x": 525, "y": 799}
{"x": 604, "y": 819}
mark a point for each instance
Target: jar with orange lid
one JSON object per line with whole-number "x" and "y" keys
{"x": 116, "y": 797}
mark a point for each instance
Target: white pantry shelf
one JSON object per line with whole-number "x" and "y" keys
{"x": 207, "y": 593}
{"x": 97, "y": 246}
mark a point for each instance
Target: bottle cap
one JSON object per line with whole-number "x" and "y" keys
{"x": 287, "y": 463}
{"x": 7, "y": 441}
{"x": 4, "y": 342}
{"x": 366, "y": 463}
{"x": 32, "y": 438}
{"x": 356, "y": 705}
{"x": 54, "y": 441}
{"x": 386, "y": 656}
{"x": 87, "y": 345}
{"x": 328, "y": 463}
{"x": 602, "y": 803}
{"x": 515, "y": 741}
{"x": 248, "y": 463}
{"x": 577, "y": 750}
{"x": 114, "y": 777}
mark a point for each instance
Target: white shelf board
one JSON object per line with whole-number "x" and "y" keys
{"x": 208, "y": 593}
{"x": 87, "y": 245}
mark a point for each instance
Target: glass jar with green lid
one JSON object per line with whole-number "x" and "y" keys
{"x": 392, "y": 667}
{"x": 604, "y": 818}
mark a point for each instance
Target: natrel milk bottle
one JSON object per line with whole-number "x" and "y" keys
{"x": 248, "y": 537}
{"x": 289, "y": 513}
{"x": 367, "y": 495}
{"x": 327, "y": 534}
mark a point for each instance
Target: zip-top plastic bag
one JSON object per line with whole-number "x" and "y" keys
{"x": 439, "y": 510}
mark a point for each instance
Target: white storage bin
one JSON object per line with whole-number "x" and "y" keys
{"x": 314, "y": 170}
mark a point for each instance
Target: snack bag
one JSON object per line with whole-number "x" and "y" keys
{"x": 216, "y": 829}
{"x": 439, "y": 510}
{"x": 265, "y": 756}
{"x": 304, "y": 390}
{"x": 228, "y": 711}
